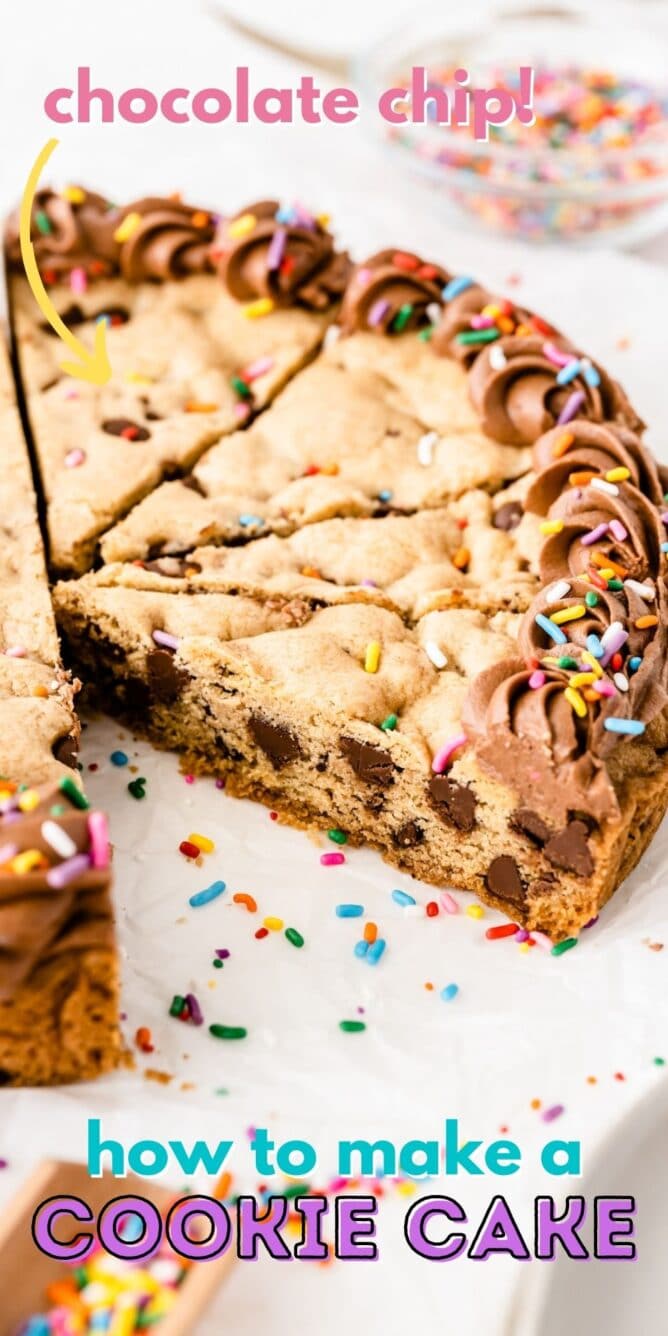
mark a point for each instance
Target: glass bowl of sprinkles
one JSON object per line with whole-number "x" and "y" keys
{"x": 593, "y": 168}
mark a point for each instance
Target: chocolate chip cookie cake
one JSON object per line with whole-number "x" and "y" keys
{"x": 372, "y": 544}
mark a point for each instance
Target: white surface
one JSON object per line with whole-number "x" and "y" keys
{"x": 524, "y": 1027}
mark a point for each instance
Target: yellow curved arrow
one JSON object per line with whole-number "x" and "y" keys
{"x": 92, "y": 366}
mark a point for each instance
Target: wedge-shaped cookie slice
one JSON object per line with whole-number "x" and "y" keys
{"x": 454, "y": 556}
{"x": 336, "y": 442}
{"x": 189, "y": 361}
{"x": 344, "y": 715}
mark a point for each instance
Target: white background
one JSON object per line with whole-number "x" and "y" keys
{"x": 524, "y": 1027}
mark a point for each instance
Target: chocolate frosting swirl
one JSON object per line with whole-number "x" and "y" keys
{"x": 39, "y": 922}
{"x": 647, "y": 694}
{"x": 68, "y": 234}
{"x": 531, "y": 739}
{"x": 284, "y": 254}
{"x": 631, "y": 541}
{"x": 165, "y": 239}
{"x": 391, "y": 284}
{"x": 625, "y": 606}
{"x": 170, "y": 240}
{"x": 513, "y": 386}
{"x": 471, "y": 305}
{"x": 594, "y": 448}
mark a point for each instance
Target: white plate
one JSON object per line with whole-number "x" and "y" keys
{"x": 617, "y": 1298}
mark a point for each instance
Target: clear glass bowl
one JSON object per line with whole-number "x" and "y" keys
{"x": 585, "y": 191}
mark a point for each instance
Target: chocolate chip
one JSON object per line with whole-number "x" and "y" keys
{"x": 74, "y": 315}
{"x": 118, "y": 315}
{"x": 408, "y": 836}
{"x": 152, "y": 416}
{"x": 165, "y": 677}
{"x": 277, "y": 741}
{"x": 121, "y": 426}
{"x": 368, "y": 761}
{"x": 193, "y": 485}
{"x": 453, "y": 802}
{"x": 66, "y": 750}
{"x": 503, "y": 879}
{"x": 508, "y": 516}
{"x": 531, "y": 824}
{"x": 568, "y": 850}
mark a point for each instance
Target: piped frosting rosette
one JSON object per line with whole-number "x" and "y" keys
{"x": 576, "y": 454}
{"x": 473, "y": 318}
{"x": 163, "y": 239}
{"x": 73, "y": 229}
{"x": 527, "y": 733}
{"x": 522, "y": 387}
{"x": 281, "y": 256}
{"x": 581, "y": 617}
{"x": 80, "y": 233}
{"x": 608, "y": 531}
{"x": 620, "y": 637}
{"x": 391, "y": 292}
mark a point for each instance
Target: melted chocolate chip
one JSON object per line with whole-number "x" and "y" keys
{"x": 531, "y": 824}
{"x": 454, "y": 803}
{"x": 277, "y": 741}
{"x": 503, "y": 879}
{"x": 369, "y": 762}
{"x": 408, "y": 836}
{"x": 508, "y": 516}
{"x": 568, "y": 850}
{"x": 124, "y": 426}
{"x": 165, "y": 677}
{"x": 66, "y": 750}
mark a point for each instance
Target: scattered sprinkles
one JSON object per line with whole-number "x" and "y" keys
{"x": 209, "y": 893}
{"x": 332, "y": 860}
{"x": 403, "y": 898}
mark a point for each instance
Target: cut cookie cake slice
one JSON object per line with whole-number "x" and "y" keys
{"x": 181, "y": 292}
{"x": 444, "y": 628}
{"x": 58, "y": 965}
